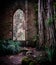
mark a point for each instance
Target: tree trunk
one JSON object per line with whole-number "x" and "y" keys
{"x": 54, "y": 10}
{"x": 26, "y": 18}
{"x": 50, "y": 28}
{"x": 40, "y": 22}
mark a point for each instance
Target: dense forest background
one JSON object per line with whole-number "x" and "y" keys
{"x": 40, "y": 17}
{"x": 45, "y": 19}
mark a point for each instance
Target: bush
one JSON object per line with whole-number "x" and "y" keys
{"x": 28, "y": 61}
{"x": 32, "y": 63}
{"x": 8, "y": 47}
{"x": 50, "y": 56}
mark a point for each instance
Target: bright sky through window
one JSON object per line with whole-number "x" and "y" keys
{"x": 19, "y": 25}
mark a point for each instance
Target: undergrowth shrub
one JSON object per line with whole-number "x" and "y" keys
{"x": 8, "y": 47}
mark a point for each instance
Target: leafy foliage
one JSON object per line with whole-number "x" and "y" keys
{"x": 49, "y": 21}
{"x": 49, "y": 57}
{"x": 28, "y": 61}
{"x": 54, "y": 4}
{"x": 32, "y": 63}
{"x": 9, "y": 47}
{"x": 51, "y": 52}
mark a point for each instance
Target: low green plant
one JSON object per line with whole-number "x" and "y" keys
{"x": 9, "y": 47}
{"x": 32, "y": 63}
{"x": 28, "y": 61}
{"x": 51, "y": 52}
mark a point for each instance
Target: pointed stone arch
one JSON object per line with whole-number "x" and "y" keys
{"x": 19, "y": 25}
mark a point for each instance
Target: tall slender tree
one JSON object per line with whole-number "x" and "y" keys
{"x": 40, "y": 22}
{"x": 54, "y": 13}
{"x": 50, "y": 26}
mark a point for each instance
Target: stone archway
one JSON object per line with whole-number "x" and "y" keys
{"x": 19, "y": 25}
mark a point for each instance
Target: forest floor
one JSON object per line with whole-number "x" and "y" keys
{"x": 15, "y": 59}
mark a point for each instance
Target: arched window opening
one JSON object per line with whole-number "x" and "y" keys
{"x": 19, "y": 25}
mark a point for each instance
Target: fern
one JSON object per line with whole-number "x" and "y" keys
{"x": 9, "y": 47}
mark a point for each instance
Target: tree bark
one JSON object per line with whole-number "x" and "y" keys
{"x": 50, "y": 29}
{"x": 40, "y": 22}
{"x": 26, "y": 18}
{"x": 54, "y": 13}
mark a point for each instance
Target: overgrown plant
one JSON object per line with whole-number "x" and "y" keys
{"x": 8, "y": 47}
{"x": 28, "y": 61}
{"x": 51, "y": 52}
